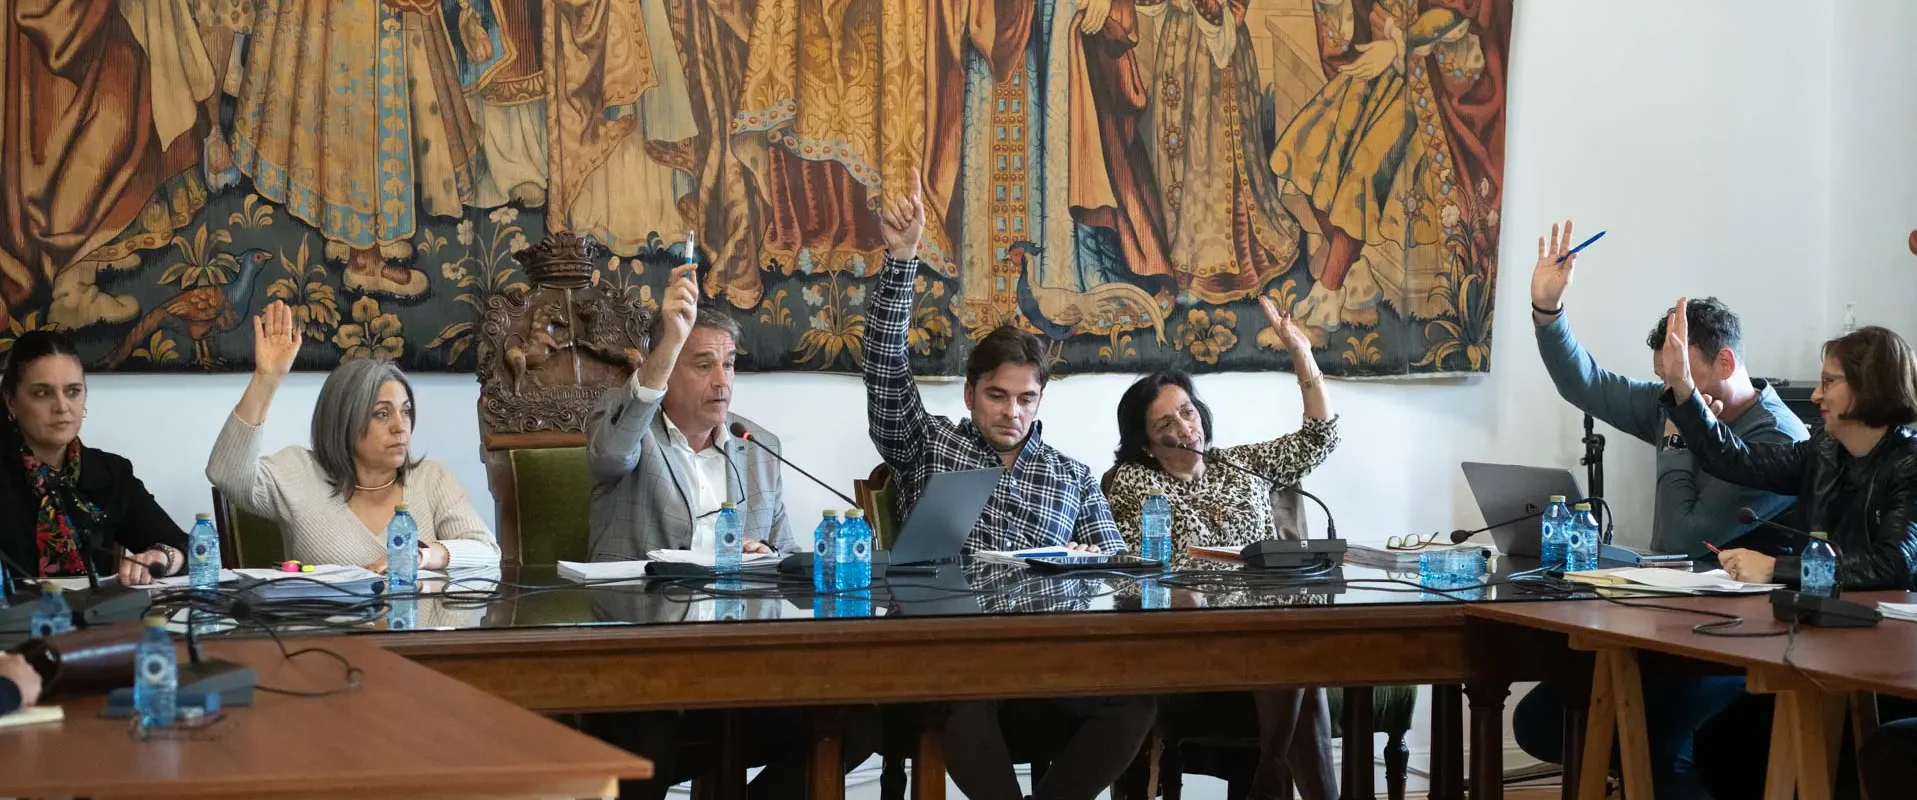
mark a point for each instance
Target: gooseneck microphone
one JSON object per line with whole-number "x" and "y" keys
{"x": 739, "y": 429}
{"x": 1748, "y": 517}
{"x": 1331, "y": 524}
{"x": 1533, "y": 512}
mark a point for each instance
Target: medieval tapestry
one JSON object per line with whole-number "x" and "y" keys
{"x": 1123, "y": 177}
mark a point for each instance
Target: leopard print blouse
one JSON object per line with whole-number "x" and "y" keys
{"x": 1224, "y": 507}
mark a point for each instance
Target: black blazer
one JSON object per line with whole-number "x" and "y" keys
{"x": 1877, "y": 532}
{"x": 130, "y": 517}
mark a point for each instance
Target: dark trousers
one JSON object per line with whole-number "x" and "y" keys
{"x": 1731, "y": 749}
{"x": 1088, "y": 742}
{"x": 1674, "y": 709}
{"x": 778, "y": 739}
{"x": 1889, "y": 761}
{"x": 1292, "y": 728}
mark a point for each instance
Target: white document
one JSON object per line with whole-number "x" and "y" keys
{"x": 1018, "y": 556}
{"x": 594, "y": 571}
{"x": 1904, "y": 611}
{"x": 185, "y": 580}
{"x": 704, "y": 558}
{"x": 1716, "y": 581}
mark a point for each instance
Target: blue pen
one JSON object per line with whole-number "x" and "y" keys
{"x": 1581, "y": 246}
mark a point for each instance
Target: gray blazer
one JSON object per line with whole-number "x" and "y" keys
{"x": 640, "y": 489}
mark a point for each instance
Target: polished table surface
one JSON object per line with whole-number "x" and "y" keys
{"x": 406, "y": 731}
{"x": 977, "y": 632}
{"x": 1879, "y": 659}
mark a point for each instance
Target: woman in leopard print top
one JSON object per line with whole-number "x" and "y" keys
{"x": 1218, "y": 505}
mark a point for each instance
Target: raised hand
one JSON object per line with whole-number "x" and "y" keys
{"x": 1295, "y": 340}
{"x": 1674, "y": 358}
{"x": 276, "y": 341}
{"x": 902, "y": 221}
{"x": 1550, "y": 279}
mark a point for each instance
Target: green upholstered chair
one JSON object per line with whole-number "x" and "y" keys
{"x": 874, "y": 494}
{"x": 246, "y": 541}
{"x": 551, "y": 504}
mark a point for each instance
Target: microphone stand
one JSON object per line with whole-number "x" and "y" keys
{"x": 1331, "y": 525}
{"x": 1593, "y": 462}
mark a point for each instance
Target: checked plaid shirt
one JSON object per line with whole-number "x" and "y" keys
{"x": 1044, "y": 500}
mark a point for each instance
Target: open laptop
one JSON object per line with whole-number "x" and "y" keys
{"x": 1504, "y": 491}
{"x": 943, "y": 519}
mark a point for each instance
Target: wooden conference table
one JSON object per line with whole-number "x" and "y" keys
{"x": 1823, "y": 665}
{"x": 983, "y": 631}
{"x": 406, "y": 731}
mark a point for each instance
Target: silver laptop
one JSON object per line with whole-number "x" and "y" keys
{"x": 944, "y": 516}
{"x": 1506, "y": 492}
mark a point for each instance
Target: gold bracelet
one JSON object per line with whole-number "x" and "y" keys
{"x": 1306, "y": 383}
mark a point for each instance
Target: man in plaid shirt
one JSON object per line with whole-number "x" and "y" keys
{"x": 1044, "y": 500}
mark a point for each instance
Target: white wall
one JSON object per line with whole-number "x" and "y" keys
{"x": 1873, "y": 163}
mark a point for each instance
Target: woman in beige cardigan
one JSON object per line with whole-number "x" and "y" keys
{"x": 334, "y": 500}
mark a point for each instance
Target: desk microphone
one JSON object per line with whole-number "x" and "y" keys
{"x": 1748, "y": 517}
{"x": 1533, "y": 512}
{"x": 739, "y": 429}
{"x": 1331, "y": 524}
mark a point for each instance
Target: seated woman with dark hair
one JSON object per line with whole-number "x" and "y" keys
{"x": 67, "y": 509}
{"x": 1164, "y": 445}
{"x": 334, "y": 500}
{"x": 1856, "y": 480}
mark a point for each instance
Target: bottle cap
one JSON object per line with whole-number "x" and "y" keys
{"x": 203, "y": 516}
{"x": 156, "y": 621}
{"x": 1819, "y": 535}
{"x": 728, "y": 504}
{"x": 854, "y": 513}
{"x": 829, "y": 513}
{"x": 400, "y": 509}
{"x": 1558, "y": 498}
{"x": 1583, "y": 506}
{"x": 51, "y": 588}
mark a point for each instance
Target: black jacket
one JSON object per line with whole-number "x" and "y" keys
{"x": 1868, "y": 514}
{"x": 130, "y": 517}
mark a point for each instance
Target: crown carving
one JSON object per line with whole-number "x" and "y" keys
{"x": 563, "y": 259}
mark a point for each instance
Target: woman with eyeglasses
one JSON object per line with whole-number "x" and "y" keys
{"x": 1222, "y": 497}
{"x": 334, "y": 500}
{"x": 1856, "y": 480}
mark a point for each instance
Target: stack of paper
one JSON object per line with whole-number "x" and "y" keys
{"x": 1018, "y": 556}
{"x": 704, "y": 558}
{"x": 1669, "y": 581}
{"x": 32, "y": 715}
{"x": 1396, "y": 560}
{"x": 595, "y": 571}
{"x": 1904, "y": 611}
{"x": 326, "y": 581}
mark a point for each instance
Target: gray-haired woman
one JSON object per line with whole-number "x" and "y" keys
{"x": 334, "y": 501}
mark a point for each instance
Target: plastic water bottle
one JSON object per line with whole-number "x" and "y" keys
{"x": 402, "y": 552}
{"x": 854, "y": 548}
{"x": 1582, "y": 551}
{"x": 823, "y": 551}
{"x": 1154, "y": 528}
{"x": 156, "y": 676}
{"x": 1555, "y": 534}
{"x": 53, "y": 616}
{"x": 1154, "y": 595}
{"x": 1818, "y": 567}
{"x": 728, "y": 540}
{"x": 203, "y": 554}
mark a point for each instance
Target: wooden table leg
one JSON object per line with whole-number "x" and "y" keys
{"x": 1600, "y": 721}
{"x": 1447, "y": 742}
{"x": 1634, "y": 743}
{"x": 730, "y": 782}
{"x": 1360, "y": 763}
{"x": 1780, "y": 778}
{"x": 1487, "y": 738}
{"x": 827, "y": 775}
{"x": 928, "y": 768}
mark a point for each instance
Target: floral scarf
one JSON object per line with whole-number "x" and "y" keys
{"x": 53, "y": 528}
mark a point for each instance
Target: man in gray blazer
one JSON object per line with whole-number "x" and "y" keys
{"x": 661, "y": 451}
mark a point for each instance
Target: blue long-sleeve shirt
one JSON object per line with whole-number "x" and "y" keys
{"x": 1692, "y": 507}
